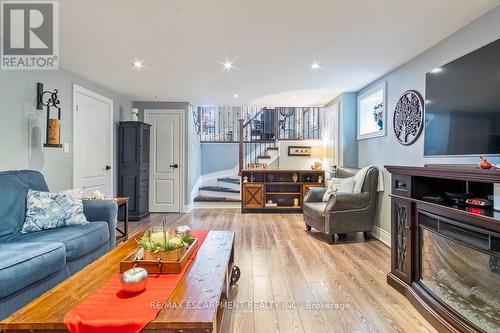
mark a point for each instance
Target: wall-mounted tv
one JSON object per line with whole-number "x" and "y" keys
{"x": 462, "y": 105}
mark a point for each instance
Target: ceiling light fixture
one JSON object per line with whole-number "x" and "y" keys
{"x": 315, "y": 66}
{"x": 437, "y": 70}
{"x": 138, "y": 64}
{"x": 228, "y": 65}
{"x": 235, "y": 95}
{"x": 293, "y": 96}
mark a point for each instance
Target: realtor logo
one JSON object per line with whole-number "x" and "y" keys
{"x": 30, "y": 35}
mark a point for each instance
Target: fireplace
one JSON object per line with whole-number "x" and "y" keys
{"x": 460, "y": 267}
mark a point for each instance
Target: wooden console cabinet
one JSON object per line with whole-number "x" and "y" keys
{"x": 278, "y": 186}
{"x": 445, "y": 256}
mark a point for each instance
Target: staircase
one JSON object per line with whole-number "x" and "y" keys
{"x": 227, "y": 189}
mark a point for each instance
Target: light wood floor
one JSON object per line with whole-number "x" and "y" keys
{"x": 283, "y": 264}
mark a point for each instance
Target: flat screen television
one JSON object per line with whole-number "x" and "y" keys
{"x": 462, "y": 105}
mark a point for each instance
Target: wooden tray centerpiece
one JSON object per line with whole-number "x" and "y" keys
{"x": 161, "y": 251}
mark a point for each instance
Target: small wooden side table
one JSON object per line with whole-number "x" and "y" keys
{"x": 123, "y": 202}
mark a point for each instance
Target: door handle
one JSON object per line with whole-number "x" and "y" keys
{"x": 175, "y": 166}
{"x": 108, "y": 167}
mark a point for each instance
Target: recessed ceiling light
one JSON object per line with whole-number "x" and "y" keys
{"x": 315, "y": 66}
{"x": 437, "y": 70}
{"x": 157, "y": 97}
{"x": 293, "y": 96}
{"x": 138, "y": 64}
{"x": 235, "y": 95}
{"x": 228, "y": 65}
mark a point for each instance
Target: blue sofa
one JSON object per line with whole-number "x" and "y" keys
{"x": 32, "y": 263}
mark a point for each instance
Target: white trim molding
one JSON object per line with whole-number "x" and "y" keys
{"x": 382, "y": 235}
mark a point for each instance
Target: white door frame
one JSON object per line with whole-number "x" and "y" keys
{"x": 84, "y": 91}
{"x": 182, "y": 160}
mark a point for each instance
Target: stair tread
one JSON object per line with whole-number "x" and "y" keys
{"x": 218, "y": 189}
{"x": 272, "y": 148}
{"x": 229, "y": 180}
{"x": 202, "y": 198}
{"x": 264, "y": 157}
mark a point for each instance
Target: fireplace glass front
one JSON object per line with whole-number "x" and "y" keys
{"x": 458, "y": 268}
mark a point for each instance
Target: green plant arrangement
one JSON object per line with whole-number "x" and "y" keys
{"x": 165, "y": 245}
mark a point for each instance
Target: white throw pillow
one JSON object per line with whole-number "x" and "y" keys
{"x": 339, "y": 185}
{"x": 76, "y": 193}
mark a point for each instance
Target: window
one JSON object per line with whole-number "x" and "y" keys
{"x": 372, "y": 113}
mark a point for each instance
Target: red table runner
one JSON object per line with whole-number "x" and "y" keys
{"x": 109, "y": 310}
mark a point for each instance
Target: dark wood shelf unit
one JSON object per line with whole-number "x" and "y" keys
{"x": 278, "y": 186}
{"x": 409, "y": 211}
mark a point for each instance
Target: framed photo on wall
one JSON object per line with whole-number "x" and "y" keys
{"x": 299, "y": 150}
{"x": 372, "y": 112}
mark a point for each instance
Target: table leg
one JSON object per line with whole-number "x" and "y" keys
{"x": 125, "y": 222}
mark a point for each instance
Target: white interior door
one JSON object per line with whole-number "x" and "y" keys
{"x": 165, "y": 160}
{"x": 92, "y": 139}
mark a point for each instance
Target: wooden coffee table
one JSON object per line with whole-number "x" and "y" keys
{"x": 206, "y": 282}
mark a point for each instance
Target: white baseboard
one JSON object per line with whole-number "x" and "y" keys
{"x": 217, "y": 205}
{"x": 382, "y": 235}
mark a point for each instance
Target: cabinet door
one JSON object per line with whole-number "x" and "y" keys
{"x": 253, "y": 195}
{"x": 401, "y": 256}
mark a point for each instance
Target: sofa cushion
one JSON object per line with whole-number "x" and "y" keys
{"x": 315, "y": 210}
{"x": 15, "y": 185}
{"x": 78, "y": 240}
{"x": 22, "y": 264}
{"x": 45, "y": 210}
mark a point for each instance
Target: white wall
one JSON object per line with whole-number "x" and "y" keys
{"x": 386, "y": 150}
{"x": 22, "y": 126}
{"x": 298, "y": 162}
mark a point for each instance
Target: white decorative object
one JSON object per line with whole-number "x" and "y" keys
{"x": 96, "y": 195}
{"x": 345, "y": 185}
{"x": 134, "y": 280}
{"x": 182, "y": 229}
{"x": 372, "y": 113}
{"x": 135, "y": 114}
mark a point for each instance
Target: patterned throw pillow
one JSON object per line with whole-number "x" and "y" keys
{"x": 339, "y": 185}
{"x": 45, "y": 210}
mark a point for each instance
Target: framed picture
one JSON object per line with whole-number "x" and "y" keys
{"x": 299, "y": 150}
{"x": 372, "y": 112}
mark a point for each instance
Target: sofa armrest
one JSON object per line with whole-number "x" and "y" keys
{"x": 340, "y": 202}
{"x": 315, "y": 194}
{"x": 105, "y": 211}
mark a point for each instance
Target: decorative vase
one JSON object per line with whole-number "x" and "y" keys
{"x": 296, "y": 202}
{"x": 295, "y": 177}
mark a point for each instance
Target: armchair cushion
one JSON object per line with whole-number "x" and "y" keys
{"x": 348, "y": 202}
{"x": 315, "y": 210}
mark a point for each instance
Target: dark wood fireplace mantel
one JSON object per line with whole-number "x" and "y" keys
{"x": 410, "y": 188}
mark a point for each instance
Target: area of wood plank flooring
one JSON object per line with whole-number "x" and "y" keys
{"x": 283, "y": 264}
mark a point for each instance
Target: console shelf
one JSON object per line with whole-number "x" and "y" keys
{"x": 278, "y": 186}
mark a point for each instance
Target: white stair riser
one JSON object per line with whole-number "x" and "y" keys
{"x": 217, "y": 194}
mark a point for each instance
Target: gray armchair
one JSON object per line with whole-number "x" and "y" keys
{"x": 344, "y": 212}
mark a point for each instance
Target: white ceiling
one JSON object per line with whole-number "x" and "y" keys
{"x": 272, "y": 42}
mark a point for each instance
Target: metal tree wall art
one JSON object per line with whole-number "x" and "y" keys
{"x": 409, "y": 117}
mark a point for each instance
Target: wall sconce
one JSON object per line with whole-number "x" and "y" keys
{"x": 53, "y": 132}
